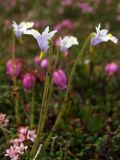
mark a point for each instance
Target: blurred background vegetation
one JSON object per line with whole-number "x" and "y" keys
{"x": 90, "y": 129}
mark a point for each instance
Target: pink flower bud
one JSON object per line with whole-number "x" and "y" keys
{"x": 59, "y": 79}
{"x": 44, "y": 63}
{"x": 37, "y": 60}
{"x": 17, "y": 68}
{"x": 111, "y": 68}
{"x": 28, "y": 81}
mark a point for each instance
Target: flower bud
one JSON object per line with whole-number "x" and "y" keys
{"x": 17, "y": 68}
{"x": 37, "y": 60}
{"x": 28, "y": 81}
{"x": 59, "y": 79}
{"x": 111, "y": 68}
{"x": 44, "y": 63}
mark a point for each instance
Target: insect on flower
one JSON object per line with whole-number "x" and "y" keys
{"x": 102, "y": 36}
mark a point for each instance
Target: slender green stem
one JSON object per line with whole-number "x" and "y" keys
{"x": 32, "y": 108}
{"x": 67, "y": 93}
{"x": 17, "y": 115}
{"x": 6, "y": 133}
{"x": 17, "y": 109}
{"x": 5, "y": 130}
{"x": 13, "y": 59}
{"x": 43, "y": 108}
{"x": 51, "y": 86}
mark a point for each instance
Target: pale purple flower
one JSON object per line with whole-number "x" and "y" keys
{"x": 42, "y": 39}
{"x": 44, "y": 63}
{"x": 111, "y": 68}
{"x": 28, "y": 81}
{"x": 59, "y": 79}
{"x": 102, "y": 36}
{"x": 21, "y": 28}
{"x": 67, "y": 42}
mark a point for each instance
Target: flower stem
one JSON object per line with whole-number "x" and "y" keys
{"x": 17, "y": 111}
{"x": 51, "y": 86}
{"x": 32, "y": 108}
{"x": 43, "y": 108}
{"x": 67, "y": 93}
{"x": 17, "y": 115}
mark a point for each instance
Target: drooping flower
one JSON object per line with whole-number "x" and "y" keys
{"x": 21, "y": 28}
{"x": 17, "y": 68}
{"x": 59, "y": 79}
{"x": 102, "y": 36}
{"x": 111, "y": 68}
{"x": 28, "y": 81}
{"x": 42, "y": 39}
{"x": 67, "y": 42}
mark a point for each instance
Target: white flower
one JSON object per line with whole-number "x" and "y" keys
{"x": 102, "y": 36}
{"x": 23, "y": 26}
{"x": 67, "y": 42}
{"x": 42, "y": 39}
